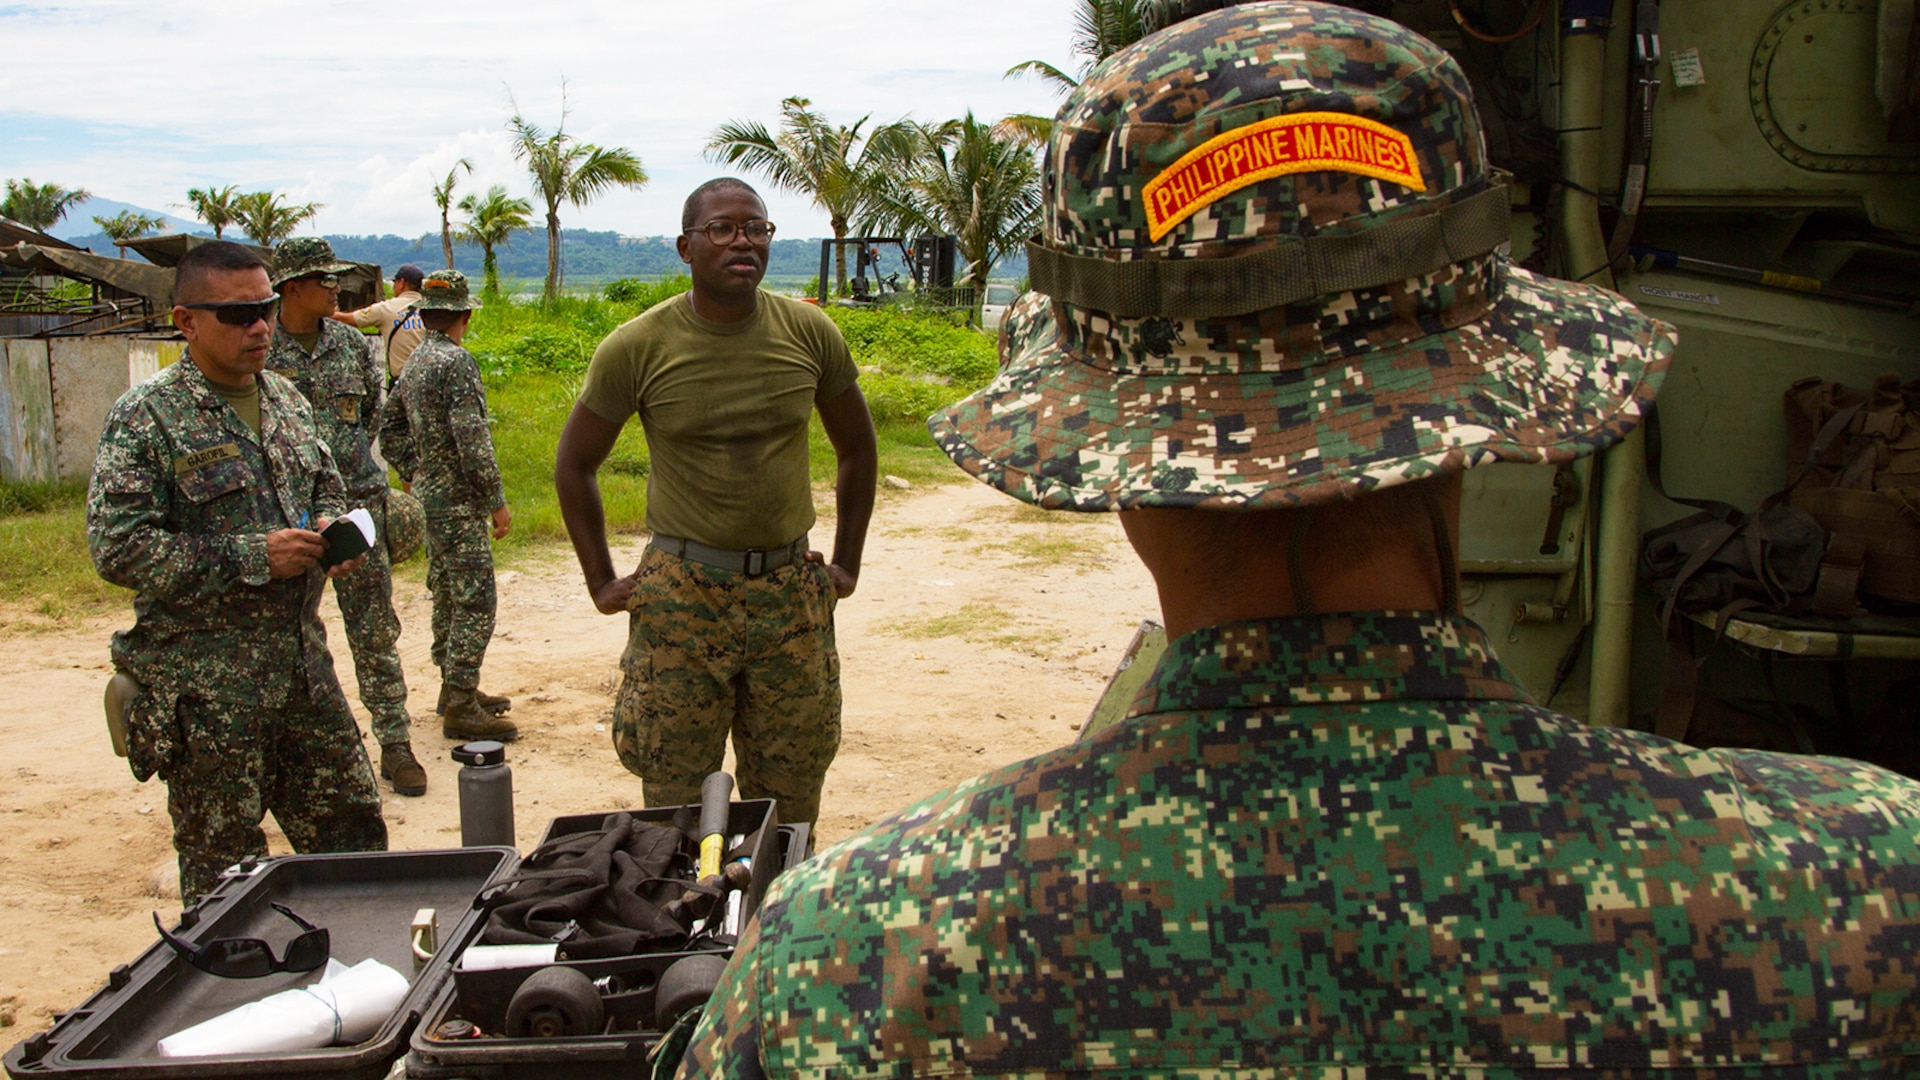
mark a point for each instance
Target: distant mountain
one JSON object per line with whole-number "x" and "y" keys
{"x": 78, "y": 224}
{"x": 589, "y": 259}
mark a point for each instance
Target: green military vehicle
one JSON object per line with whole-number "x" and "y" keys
{"x": 1748, "y": 170}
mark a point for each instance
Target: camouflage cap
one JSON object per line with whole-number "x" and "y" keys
{"x": 1272, "y": 273}
{"x": 305, "y": 255}
{"x": 445, "y": 290}
{"x": 406, "y": 526}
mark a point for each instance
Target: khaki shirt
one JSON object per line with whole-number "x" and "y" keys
{"x": 399, "y": 324}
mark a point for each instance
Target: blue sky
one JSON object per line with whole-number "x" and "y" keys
{"x": 361, "y": 107}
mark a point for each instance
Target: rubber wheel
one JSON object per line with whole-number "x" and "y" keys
{"x": 555, "y": 1002}
{"x": 687, "y": 984}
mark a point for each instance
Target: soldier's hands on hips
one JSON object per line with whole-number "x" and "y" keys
{"x": 611, "y": 598}
{"x": 502, "y": 521}
{"x": 843, "y": 582}
{"x": 291, "y": 552}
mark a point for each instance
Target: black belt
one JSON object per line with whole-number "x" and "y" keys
{"x": 752, "y": 562}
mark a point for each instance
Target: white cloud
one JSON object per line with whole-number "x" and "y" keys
{"x": 361, "y": 107}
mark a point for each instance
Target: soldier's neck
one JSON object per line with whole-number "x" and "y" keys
{"x": 294, "y": 322}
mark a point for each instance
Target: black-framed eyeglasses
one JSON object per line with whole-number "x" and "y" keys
{"x": 250, "y": 958}
{"x": 722, "y": 231}
{"x": 325, "y": 281}
{"x": 241, "y": 312}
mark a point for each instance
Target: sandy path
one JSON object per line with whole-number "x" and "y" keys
{"x": 981, "y": 634}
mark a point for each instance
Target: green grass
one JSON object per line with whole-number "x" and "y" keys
{"x": 534, "y": 357}
{"x": 43, "y": 529}
{"x": 984, "y": 624}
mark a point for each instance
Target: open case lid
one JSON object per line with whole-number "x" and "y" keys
{"x": 366, "y": 901}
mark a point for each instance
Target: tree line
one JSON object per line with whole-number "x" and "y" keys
{"x": 973, "y": 180}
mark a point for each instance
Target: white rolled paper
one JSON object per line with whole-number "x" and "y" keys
{"x": 346, "y": 1006}
{"x": 496, "y": 957}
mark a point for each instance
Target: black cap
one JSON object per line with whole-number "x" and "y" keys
{"x": 410, "y": 274}
{"x": 482, "y": 752}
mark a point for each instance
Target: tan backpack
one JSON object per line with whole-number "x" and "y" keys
{"x": 1865, "y": 484}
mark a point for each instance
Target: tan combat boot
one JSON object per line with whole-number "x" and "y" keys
{"x": 466, "y": 721}
{"x": 493, "y": 703}
{"x": 398, "y": 764}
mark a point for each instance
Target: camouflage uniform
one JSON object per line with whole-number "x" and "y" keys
{"x": 240, "y": 710}
{"x": 343, "y": 382}
{"x": 1334, "y": 846}
{"x": 434, "y": 430}
{"x": 710, "y": 650}
{"x": 1325, "y": 845}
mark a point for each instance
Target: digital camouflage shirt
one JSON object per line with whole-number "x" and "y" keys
{"x": 1349, "y": 846}
{"x": 434, "y": 429}
{"x": 343, "y": 381}
{"x": 182, "y": 498}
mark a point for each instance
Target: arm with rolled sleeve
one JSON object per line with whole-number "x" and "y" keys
{"x": 128, "y": 502}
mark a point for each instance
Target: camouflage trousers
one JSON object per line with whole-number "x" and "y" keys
{"x": 304, "y": 763}
{"x": 460, "y": 577}
{"x": 373, "y": 630}
{"x": 712, "y": 653}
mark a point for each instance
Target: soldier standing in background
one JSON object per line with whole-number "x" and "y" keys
{"x": 208, "y": 489}
{"x": 434, "y": 433}
{"x": 730, "y": 612}
{"x": 335, "y": 369}
{"x": 399, "y": 323}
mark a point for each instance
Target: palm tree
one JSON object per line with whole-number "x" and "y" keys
{"x": 215, "y": 206}
{"x": 567, "y": 171}
{"x": 491, "y": 220}
{"x": 810, "y": 156}
{"x": 127, "y": 225}
{"x": 40, "y": 206}
{"x": 968, "y": 180}
{"x": 443, "y": 197}
{"x": 266, "y": 220}
{"x": 1100, "y": 29}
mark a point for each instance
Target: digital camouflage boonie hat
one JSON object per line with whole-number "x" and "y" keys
{"x": 445, "y": 290}
{"x": 305, "y": 255}
{"x": 1271, "y": 273}
{"x": 406, "y": 526}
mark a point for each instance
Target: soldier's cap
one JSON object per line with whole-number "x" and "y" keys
{"x": 445, "y": 290}
{"x": 1272, "y": 273}
{"x": 305, "y": 255}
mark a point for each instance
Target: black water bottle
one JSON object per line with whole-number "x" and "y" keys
{"x": 486, "y": 794}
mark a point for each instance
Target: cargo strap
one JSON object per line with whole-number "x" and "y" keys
{"x": 1287, "y": 270}
{"x": 1639, "y": 153}
{"x": 752, "y": 562}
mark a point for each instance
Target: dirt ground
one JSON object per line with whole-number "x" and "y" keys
{"x": 982, "y": 633}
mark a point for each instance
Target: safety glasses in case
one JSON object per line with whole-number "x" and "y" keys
{"x": 250, "y": 958}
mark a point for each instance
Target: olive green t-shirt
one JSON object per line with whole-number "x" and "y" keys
{"x": 244, "y": 400}
{"x": 725, "y": 409}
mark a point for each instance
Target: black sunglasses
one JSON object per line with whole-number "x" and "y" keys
{"x": 241, "y": 312}
{"x": 250, "y": 958}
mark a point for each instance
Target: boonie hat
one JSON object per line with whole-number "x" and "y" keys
{"x": 445, "y": 290}
{"x": 406, "y": 525}
{"x": 1272, "y": 273}
{"x": 305, "y": 255}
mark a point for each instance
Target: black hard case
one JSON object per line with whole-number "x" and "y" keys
{"x": 367, "y": 903}
{"x": 620, "y": 1051}
{"x": 486, "y": 994}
